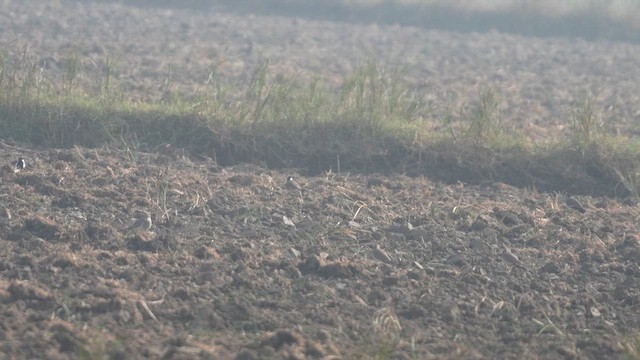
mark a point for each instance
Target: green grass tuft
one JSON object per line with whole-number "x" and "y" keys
{"x": 370, "y": 123}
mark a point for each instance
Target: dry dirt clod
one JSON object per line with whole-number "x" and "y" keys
{"x": 6, "y": 171}
{"x": 508, "y": 218}
{"x": 477, "y": 243}
{"x": 456, "y": 260}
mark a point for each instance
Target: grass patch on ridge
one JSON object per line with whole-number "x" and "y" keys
{"x": 370, "y": 123}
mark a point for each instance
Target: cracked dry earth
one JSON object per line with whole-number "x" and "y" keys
{"x": 237, "y": 265}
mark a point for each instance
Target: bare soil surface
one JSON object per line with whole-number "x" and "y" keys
{"x": 239, "y": 265}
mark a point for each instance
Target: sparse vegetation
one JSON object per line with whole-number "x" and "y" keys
{"x": 357, "y": 261}
{"x": 371, "y": 123}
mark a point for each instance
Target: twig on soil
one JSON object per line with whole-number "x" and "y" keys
{"x": 146, "y": 308}
{"x": 358, "y": 211}
{"x": 157, "y": 302}
{"x": 548, "y": 326}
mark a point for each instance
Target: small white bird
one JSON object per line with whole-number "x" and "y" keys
{"x": 143, "y": 222}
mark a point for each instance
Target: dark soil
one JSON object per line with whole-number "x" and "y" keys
{"x": 239, "y": 265}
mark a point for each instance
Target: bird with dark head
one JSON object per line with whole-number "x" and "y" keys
{"x": 19, "y": 164}
{"x": 292, "y": 184}
{"x": 575, "y": 204}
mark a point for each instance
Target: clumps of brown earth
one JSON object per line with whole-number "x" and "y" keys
{"x": 237, "y": 265}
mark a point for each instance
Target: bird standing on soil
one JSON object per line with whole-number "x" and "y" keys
{"x": 381, "y": 255}
{"x": 292, "y": 184}
{"x": 19, "y": 164}
{"x": 575, "y": 204}
{"x": 510, "y": 257}
{"x": 143, "y": 222}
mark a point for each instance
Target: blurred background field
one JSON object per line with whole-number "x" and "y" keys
{"x": 616, "y": 19}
